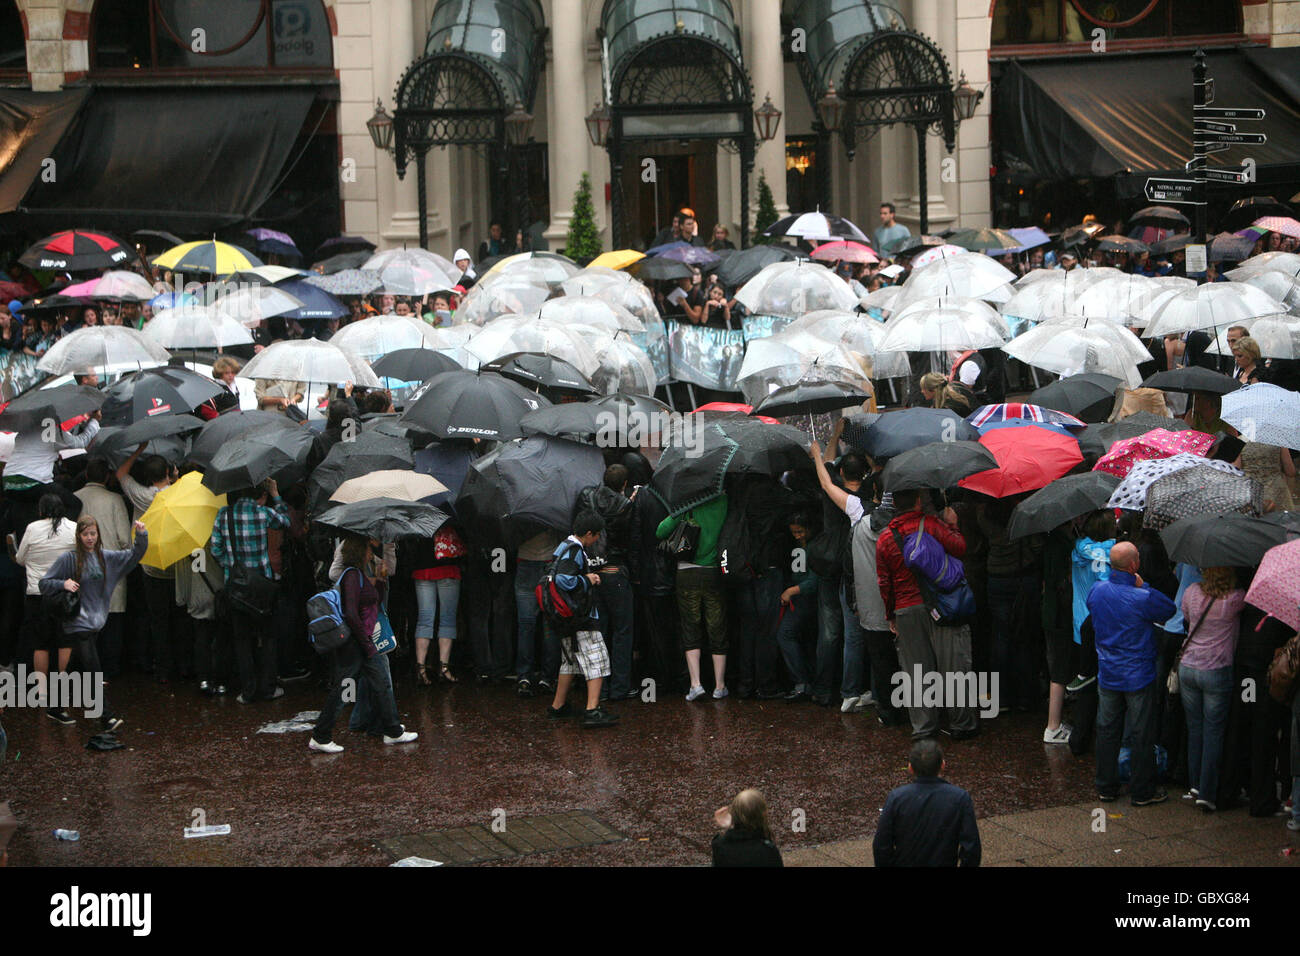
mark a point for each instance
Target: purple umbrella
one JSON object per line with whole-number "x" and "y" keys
{"x": 691, "y": 256}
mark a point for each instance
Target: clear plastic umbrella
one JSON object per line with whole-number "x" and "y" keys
{"x": 976, "y": 277}
{"x": 882, "y": 299}
{"x": 1278, "y": 336}
{"x": 1211, "y": 307}
{"x": 1285, "y": 288}
{"x": 589, "y": 310}
{"x": 856, "y": 334}
{"x": 530, "y": 333}
{"x": 790, "y": 357}
{"x": 195, "y": 327}
{"x": 487, "y": 301}
{"x": 1068, "y": 346}
{"x": 547, "y": 267}
{"x": 951, "y": 329}
{"x": 795, "y": 288}
{"x": 1287, "y": 263}
{"x": 451, "y": 342}
{"x": 380, "y": 334}
{"x": 251, "y": 305}
{"x": 311, "y": 361}
{"x": 99, "y": 347}
{"x": 624, "y": 366}
{"x": 935, "y": 253}
{"x": 1121, "y": 299}
{"x": 1086, "y": 276}
{"x": 413, "y": 271}
{"x": 595, "y": 279}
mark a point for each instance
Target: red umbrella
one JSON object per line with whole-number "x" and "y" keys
{"x": 731, "y": 408}
{"x": 76, "y": 250}
{"x": 1028, "y": 459}
{"x": 844, "y": 250}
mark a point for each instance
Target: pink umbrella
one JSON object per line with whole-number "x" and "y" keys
{"x": 843, "y": 250}
{"x": 1157, "y": 443}
{"x": 1276, "y": 588}
{"x": 1283, "y": 224}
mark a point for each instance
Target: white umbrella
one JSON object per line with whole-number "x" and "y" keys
{"x": 487, "y": 301}
{"x": 390, "y": 483}
{"x": 1120, "y": 299}
{"x": 1211, "y": 306}
{"x": 549, "y": 268}
{"x": 1285, "y": 288}
{"x": 312, "y": 361}
{"x": 857, "y": 334}
{"x": 817, "y": 225}
{"x": 413, "y": 271}
{"x": 1264, "y": 413}
{"x": 1069, "y": 347}
{"x": 589, "y": 310}
{"x": 100, "y": 346}
{"x": 788, "y": 358}
{"x": 252, "y": 304}
{"x": 795, "y": 288}
{"x": 882, "y": 299}
{"x": 935, "y": 253}
{"x": 940, "y": 330}
{"x": 195, "y": 327}
{"x": 1284, "y": 262}
{"x": 120, "y": 284}
{"x": 529, "y": 333}
{"x": 595, "y": 279}
{"x": 380, "y": 334}
{"x": 975, "y": 277}
{"x": 1278, "y": 336}
{"x": 275, "y": 274}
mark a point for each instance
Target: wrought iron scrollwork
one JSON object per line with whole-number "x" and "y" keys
{"x": 681, "y": 71}
{"x": 898, "y": 76}
{"x": 445, "y": 99}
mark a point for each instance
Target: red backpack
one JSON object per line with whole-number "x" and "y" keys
{"x": 567, "y": 611}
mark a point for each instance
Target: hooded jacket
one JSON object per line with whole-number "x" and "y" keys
{"x": 617, "y": 512}
{"x": 898, "y": 587}
{"x": 1124, "y": 617}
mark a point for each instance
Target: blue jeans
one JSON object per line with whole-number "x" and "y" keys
{"x": 855, "y": 650}
{"x": 1207, "y": 696}
{"x": 1140, "y": 707}
{"x": 437, "y": 601}
{"x": 350, "y": 662}
{"x": 364, "y": 717}
{"x": 614, "y": 604}
{"x": 530, "y": 621}
{"x": 801, "y": 607}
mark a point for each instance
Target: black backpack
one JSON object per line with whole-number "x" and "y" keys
{"x": 568, "y": 611}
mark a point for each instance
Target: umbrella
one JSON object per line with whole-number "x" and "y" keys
{"x": 1028, "y": 459}
{"x": 472, "y": 405}
{"x": 402, "y": 485}
{"x": 816, "y": 225}
{"x": 249, "y": 304}
{"x": 1278, "y": 336}
{"x": 1229, "y": 540}
{"x": 1096, "y": 440}
{"x": 225, "y": 428}
{"x": 116, "y": 284}
{"x": 170, "y": 238}
{"x": 1278, "y": 285}
{"x": 810, "y": 398}
{"x": 63, "y": 403}
{"x": 1200, "y": 490}
{"x": 636, "y": 420}
{"x": 261, "y": 452}
{"x": 794, "y": 289}
{"x": 527, "y": 486}
{"x": 967, "y": 277}
{"x": 413, "y": 365}
{"x": 1227, "y": 247}
{"x": 549, "y": 268}
{"x": 340, "y": 245}
{"x": 940, "y": 330}
{"x": 268, "y": 275}
{"x": 310, "y": 360}
{"x": 897, "y": 432}
{"x": 1131, "y": 494}
{"x": 76, "y": 250}
{"x": 539, "y": 370}
{"x": 108, "y": 445}
{"x": 654, "y": 268}
{"x": 384, "y": 519}
{"x": 1062, "y": 500}
{"x": 694, "y": 467}
{"x": 589, "y": 310}
{"x": 717, "y": 411}
{"x": 1156, "y": 443}
{"x": 347, "y": 282}
{"x": 937, "y": 465}
{"x": 156, "y": 392}
{"x": 366, "y": 453}
{"x": 790, "y": 357}
{"x": 978, "y": 240}
{"x": 1121, "y": 244}
{"x": 1163, "y": 247}
{"x": 1192, "y": 378}
{"x": 624, "y": 366}
{"x": 170, "y": 300}
{"x": 1215, "y": 305}
{"x": 1165, "y": 217}
{"x": 618, "y": 259}
{"x": 179, "y": 520}
{"x": 380, "y": 334}
{"x": 1010, "y": 411}
{"x": 1264, "y": 413}
{"x": 577, "y": 421}
{"x": 691, "y": 255}
{"x": 1245, "y": 212}
{"x": 856, "y": 425}
{"x": 208, "y": 257}
{"x": 594, "y": 278}
{"x": 935, "y": 253}
{"x": 507, "y": 296}
{"x": 1275, "y": 588}
{"x": 882, "y": 299}
{"x": 341, "y": 261}
{"x": 526, "y": 333}
{"x": 738, "y": 269}
{"x": 855, "y": 334}
{"x": 1120, "y": 298}
{"x": 195, "y": 327}
{"x": 159, "y": 421}
{"x": 914, "y": 244}
{"x": 413, "y": 271}
{"x": 1287, "y": 263}
{"x": 1088, "y": 396}
{"x": 1067, "y": 347}
{"x": 275, "y": 243}
{"x": 100, "y": 346}
{"x": 842, "y": 250}
{"x": 315, "y": 302}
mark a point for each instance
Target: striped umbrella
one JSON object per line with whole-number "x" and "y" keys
{"x": 209, "y": 257}
{"x": 76, "y": 250}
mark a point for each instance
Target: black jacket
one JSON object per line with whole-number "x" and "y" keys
{"x": 652, "y": 572}
{"x": 928, "y": 822}
{"x": 737, "y": 847}
{"x": 617, "y": 512}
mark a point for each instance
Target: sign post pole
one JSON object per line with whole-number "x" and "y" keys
{"x": 1198, "y": 149}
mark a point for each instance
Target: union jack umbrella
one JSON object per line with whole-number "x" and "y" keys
{"x": 1008, "y": 411}
{"x": 76, "y": 250}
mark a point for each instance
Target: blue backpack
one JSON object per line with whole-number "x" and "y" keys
{"x": 326, "y": 629}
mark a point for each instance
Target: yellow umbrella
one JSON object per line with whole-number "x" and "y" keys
{"x": 618, "y": 259}
{"x": 500, "y": 264}
{"x": 208, "y": 257}
{"x": 180, "y": 520}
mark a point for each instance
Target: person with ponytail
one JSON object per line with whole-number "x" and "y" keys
{"x": 941, "y": 393}
{"x": 43, "y": 541}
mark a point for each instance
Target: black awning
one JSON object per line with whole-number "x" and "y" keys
{"x": 31, "y": 125}
{"x": 1279, "y": 64}
{"x": 189, "y": 160}
{"x": 1131, "y": 116}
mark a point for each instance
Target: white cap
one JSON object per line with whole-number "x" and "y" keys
{"x": 460, "y": 254}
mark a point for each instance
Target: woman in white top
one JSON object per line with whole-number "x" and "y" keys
{"x": 44, "y": 540}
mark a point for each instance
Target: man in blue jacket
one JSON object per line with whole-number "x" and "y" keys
{"x": 928, "y": 822}
{"x": 1124, "y": 614}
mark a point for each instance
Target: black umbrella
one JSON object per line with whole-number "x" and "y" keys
{"x": 109, "y": 445}
{"x": 694, "y": 468}
{"x": 654, "y": 268}
{"x": 1244, "y": 212}
{"x": 856, "y": 426}
{"x": 1063, "y": 499}
{"x": 1227, "y": 247}
{"x": 367, "y": 452}
{"x": 170, "y": 238}
{"x": 414, "y": 365}
{"x": 143, "y": 431}
{"x": 1228, "y": 540}
{"x": 738, "y": 269}
{"x": 77, "y": 250}
{"x": 343, "y": 244}
{"x": 1164, "y": 217}
{"x": 1080, "y": 235}
{"x": 810, "y": 398}
{"x": 1121, "y": 244}
{"x": 579, "y": 421}
{"x": 156, "y": 391}
{"x": 897, "y": 432}
{"x": 341, "y": 261}
{"x": 642, "y": 404}
{"x": 1192, "y": 378}
{"x": 526, "y": 486}
{"x": 937, "y": 465}
{"x": 261, "y": 453}
{"x": 35, "y": 407}
{"x": 1164, "y": 247}
{"x": 918, "y": 244}
{"x": 384, "y": 519}
{"x": 1095, "y": 440}
{"x": 56, "y": 303}
{"x": 472, "y": 405}
{"x": 232, "y": 424}
{"x": 535, "y": 370}
{"x": 1089, "y": 396}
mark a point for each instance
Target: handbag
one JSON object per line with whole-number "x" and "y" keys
{"x": 247, "y": 591}
{"x": 683, "y": 542}
{"x": 62, "y": 605}
{"x": 1171, "y": 682}
{"x": 1282, "y": 671}
{"x": 948, "y": 608}
{"x": 384, "y": 639}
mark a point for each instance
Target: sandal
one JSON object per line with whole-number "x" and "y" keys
{"x": 444, "y": 673}
{"x": 422, "y": 675}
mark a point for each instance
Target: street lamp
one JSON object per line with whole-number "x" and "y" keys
{"x": 831, "y": 109}
{"x": 966, "y": 98}
{"x": 381, "y": 128}
{"x": 598, "y": 123}
{"x": 766, "y": 119}
{"x": 519, "y": 126}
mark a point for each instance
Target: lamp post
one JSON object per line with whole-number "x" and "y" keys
{"x": 966, "y": 99}
{"x": 382, "y": 128}
{"x": 519, "y": 131}
{"x": 767, "y": 118}
{"x": 598, "y": 123}
{"x": 831, "y": 109}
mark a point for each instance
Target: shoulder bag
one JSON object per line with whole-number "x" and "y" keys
{"x": 247, "y": 591}
{"x": 950, "y": 608}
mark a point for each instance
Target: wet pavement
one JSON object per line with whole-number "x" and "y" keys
{"x": 656, "y": 778}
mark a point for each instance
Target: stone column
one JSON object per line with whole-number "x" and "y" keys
{"x": 395, "y": 46}
{"x": 767, "y": 69}
{"x": 927, "y": 20}
{"x": 567, "y": 111}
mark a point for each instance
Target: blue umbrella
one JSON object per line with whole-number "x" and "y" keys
{"x": 172, "y": 300}
{"x": 675, "y": 244}
{"x": 692, "y": 256}
{"x": 316, "y": 302}
{"x": 1025, "y": 423}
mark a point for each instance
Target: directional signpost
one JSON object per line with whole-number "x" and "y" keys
{"x": 1226, "y": 174}
{"x": 1171, "y": 190}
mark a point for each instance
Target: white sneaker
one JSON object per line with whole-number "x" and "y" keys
{"x": 866, "y": 700}
{"x": 329, "y": 748}
{"x": 1061, "y": 735}
{"x": 720, "y": 692}
{"x": 405, "y": 737}
{"x": 850, "y": 705}
{"x": 695, "y": 693}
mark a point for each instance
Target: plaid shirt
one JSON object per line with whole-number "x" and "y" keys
{"x": 251, "y": 522}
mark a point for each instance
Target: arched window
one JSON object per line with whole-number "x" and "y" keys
{"x": 13, "y": 46}
{"x": 176, "y": 36}
{"x": 1036, "y": 22}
